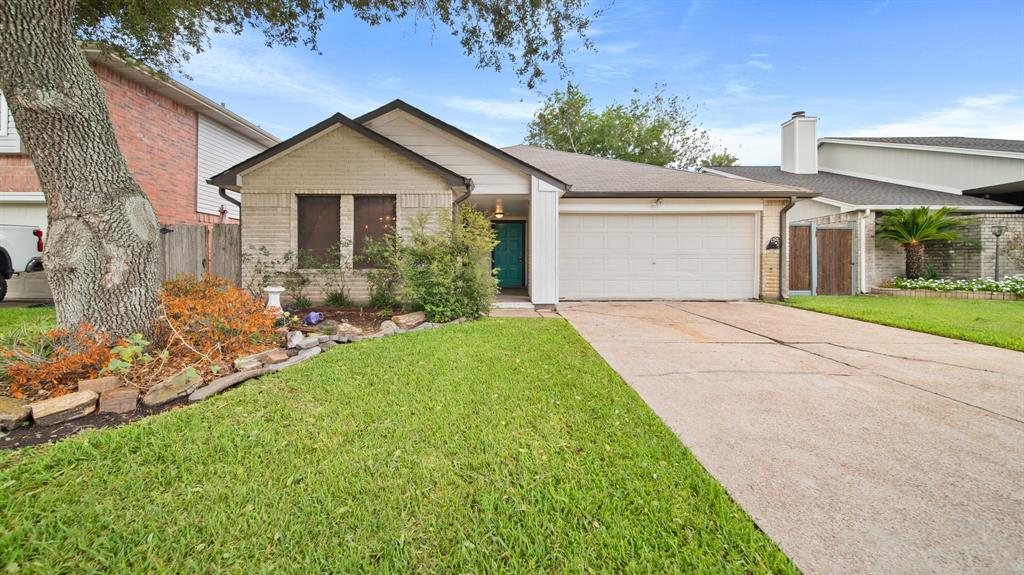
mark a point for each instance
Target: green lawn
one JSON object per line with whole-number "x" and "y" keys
{"x": 501, "y": 445}
{"x": 12, "y": 318}
{"x": 992, "y": 322}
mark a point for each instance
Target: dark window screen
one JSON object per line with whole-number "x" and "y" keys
{"x": 319, "y": 224}
{"x": 374, "y": 216}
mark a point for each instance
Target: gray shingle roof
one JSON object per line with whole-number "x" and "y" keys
{"x": 859, "y": 191}
{"x": 989, "y": 144}
{"x": 591, "y": 176}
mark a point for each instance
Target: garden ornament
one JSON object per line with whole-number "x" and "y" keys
{"x": 313, "y": 318}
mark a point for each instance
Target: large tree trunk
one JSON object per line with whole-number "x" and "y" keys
{"x": 915, "y": 260}
{"x": 102, "y": 252}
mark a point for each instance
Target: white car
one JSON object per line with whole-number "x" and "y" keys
{"x": 21, "y": 250}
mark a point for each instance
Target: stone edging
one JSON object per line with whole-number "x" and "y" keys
{"x": 955, "y": 294}
{"x": 111, "y": 394}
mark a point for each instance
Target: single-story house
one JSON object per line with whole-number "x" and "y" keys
{"x": 571, "y": 226}
{"x": 858, "y": 179}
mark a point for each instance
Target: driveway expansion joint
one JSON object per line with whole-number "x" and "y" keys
{"x": 849, "y": 473}
{"x": 853, "y": 366}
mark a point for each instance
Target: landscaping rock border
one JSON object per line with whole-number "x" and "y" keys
{"x": 953, "y": 294}
{"x": 110, "y": 395}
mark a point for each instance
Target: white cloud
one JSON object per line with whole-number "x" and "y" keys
{"x": 760, "y": 64}
{"x": 241, "y": 65}
{"x": 497, "y": 109}
{"x": 987, "y": 116}
{"x": 989, "y": 100}
{"x": 754, "y": 144}
{"x": 616, "y": 47}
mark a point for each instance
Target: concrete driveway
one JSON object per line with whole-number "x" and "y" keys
{"x": 858, "y": 448}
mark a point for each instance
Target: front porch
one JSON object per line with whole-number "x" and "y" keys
{"x": 509, "y": 216}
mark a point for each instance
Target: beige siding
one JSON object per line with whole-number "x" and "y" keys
{"x": 219, "y": 149}
{"x": 338, "y": 162}
{"x": 810, "y": 209}
{"x": 490, "y": 175}
{"x": 10, "y": 143}
{"x": 928, "y": 169}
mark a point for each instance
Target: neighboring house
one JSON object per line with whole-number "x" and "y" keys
{"x": 571, "y": 226}
{"x": 169, "y": 135}
{"x": 859, "y": 179}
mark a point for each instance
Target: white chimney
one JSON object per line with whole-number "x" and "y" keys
{"x": 800, "y": 145}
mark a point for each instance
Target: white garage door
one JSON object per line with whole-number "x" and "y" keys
{"x": 665, "y": 256}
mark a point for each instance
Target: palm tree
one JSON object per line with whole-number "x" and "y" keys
{"x": 911, "y": 228}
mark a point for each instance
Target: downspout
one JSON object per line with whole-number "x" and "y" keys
{"x": 462, "y": 198}
{"x": 224, "y": 194}
{"x": 783, "y": 249}
{"x": 862, "y": 253}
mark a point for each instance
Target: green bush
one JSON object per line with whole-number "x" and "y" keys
{"x": 384, "y": 278}
{"x": 445, "y": 272}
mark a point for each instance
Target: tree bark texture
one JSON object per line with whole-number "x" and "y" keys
{"x": 102, "y": 255}
{"x": 915, "y": 260}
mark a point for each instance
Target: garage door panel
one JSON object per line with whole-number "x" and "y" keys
{"x": 677, "y": 256}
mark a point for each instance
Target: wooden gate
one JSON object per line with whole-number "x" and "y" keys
{"x": 226, "y": 252}
{"x": 835, "y": 261}
{"x": 821, "y": 260}
{"x": 182, "y": 250}
{"x": 800, "y": 258}
{"x": 199, "y": 250}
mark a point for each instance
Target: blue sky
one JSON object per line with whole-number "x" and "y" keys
{"x": 864, "y": 68}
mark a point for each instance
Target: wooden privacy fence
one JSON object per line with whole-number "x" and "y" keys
{"x": 201, "y": 250}
{"x": 822, "y": 260}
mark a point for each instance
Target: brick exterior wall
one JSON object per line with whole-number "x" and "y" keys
{"x": 770, "y": 259}
{"x": 889, "y": 258}
{"x": 17, "y": 174}
{"x": 338, "y": 162}
{"x": 966, "y": 260}
{"x": 1014, "y": 224}
{"x": 885, "y": 259}
{"x": 158, "y": 138}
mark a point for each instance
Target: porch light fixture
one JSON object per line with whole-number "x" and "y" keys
{"x": 499, "y": 210}
{"x": 998, "y": 231}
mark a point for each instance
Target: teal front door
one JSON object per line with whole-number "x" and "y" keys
{"x": 508, "y": 255}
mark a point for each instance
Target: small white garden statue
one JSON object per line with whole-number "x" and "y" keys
{"x": 274, "y": 297}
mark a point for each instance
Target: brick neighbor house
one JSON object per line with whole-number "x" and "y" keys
{"x": 172, "y": 137}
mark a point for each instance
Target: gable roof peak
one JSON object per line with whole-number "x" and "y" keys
{"x": 229, "y": 177}
{"x": 398, "y": 104}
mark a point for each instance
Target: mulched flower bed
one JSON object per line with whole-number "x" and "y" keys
{"x": 37, "y": 434}
{"x": 366, "y": 319}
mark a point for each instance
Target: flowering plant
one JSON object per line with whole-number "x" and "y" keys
{"x": 1014, "y": 285}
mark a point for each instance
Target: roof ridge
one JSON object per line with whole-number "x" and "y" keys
{"x": 591, "y": 156}
{"x": 399, "y": 104}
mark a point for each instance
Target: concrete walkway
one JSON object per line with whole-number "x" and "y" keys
{"x": 858, "y": 448}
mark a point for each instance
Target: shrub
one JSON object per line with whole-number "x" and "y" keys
{"x": 213, "y": 320}
{"x": 260, "y": 269}
{"x": 332, "y": 274}
{"x": 384, "y": 278}
{"x": 446, "y": 272}
{"x": 338, "y": 299}
{"x": 53, "y": 361}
